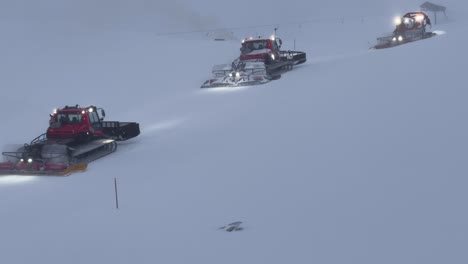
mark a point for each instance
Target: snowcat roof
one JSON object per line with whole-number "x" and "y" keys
{"x": 74, "y": 109}
{"x": 413, "y": 14}
{"x": 256, "y": 40}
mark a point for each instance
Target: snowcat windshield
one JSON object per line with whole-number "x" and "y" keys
{"x": 69, "y": 119}
{"x": 250, "y": 46}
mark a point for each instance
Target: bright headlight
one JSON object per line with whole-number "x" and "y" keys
{"x": 273, "y": 56}
{"x": 394, "y": 39}
{"x": 230, "y": 74}
{"x": 400, "y": 38}
{"x": 237, "y": 74}
{"x": 397, "y": 21}
{"x": 30, "y": 160}
{"x": 419, "y": 18}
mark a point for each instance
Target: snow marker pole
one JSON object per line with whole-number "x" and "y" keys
{"x": 116, "y": 196}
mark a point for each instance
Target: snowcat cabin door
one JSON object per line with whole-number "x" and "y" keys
{"x": 103, "y": 114}
{"x": 278, "y": 43}
{"x": 94, "y": 120}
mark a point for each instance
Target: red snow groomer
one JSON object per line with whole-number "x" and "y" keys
{"x": 411, "y": 27}
{"x": 76, "y": 136}
{"x": 260, "y": 61}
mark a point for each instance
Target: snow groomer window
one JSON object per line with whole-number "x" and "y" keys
{"x": 74, "y": 118}
{"x": 93, "y": 118}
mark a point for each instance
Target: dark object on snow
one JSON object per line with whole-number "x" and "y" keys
{"x": 430, "y": 7}
{"x": 235, "y": 226}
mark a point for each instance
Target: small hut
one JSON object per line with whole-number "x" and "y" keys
{"x": 430, "y": 7}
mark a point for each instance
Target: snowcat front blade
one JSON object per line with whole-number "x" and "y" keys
{"x": 392, "y": 41}
{"x": 228, "y": 82}
{"x": 243, "y": 74}
{"x": 62, "y": 170}
{"x": 81, "y": 167}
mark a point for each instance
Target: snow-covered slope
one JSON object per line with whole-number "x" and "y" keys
{"x": 357, "y": 156}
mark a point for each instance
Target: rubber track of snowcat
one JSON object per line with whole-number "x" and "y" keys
{"x": 105, "y": 147}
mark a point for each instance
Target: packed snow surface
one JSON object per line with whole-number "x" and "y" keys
{"x": 356, "y": 156}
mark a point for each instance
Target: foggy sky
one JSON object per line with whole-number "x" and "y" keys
{"x": 158, "y": 16}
